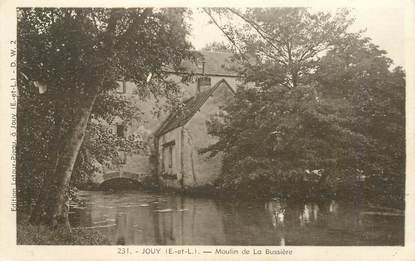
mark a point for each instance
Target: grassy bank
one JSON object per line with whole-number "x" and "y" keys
{"x": 28, "y": 234}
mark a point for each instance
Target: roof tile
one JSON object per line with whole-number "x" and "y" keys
{"x": 179, "y": 118}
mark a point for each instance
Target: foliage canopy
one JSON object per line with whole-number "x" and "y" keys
{"x": 315, "y": 97}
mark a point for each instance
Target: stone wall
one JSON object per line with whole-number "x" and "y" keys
{"x": 200, "y": 169}
{"x": 171, "y": 177}
{"x": 149, "y": 122}
{"x": 195, "y": 169}
{"x": 190, "y": 167}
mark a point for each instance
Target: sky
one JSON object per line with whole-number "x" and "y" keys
{"x": 385, "y": 25}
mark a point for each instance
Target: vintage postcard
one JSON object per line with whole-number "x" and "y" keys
{"x": 138, "y": 130}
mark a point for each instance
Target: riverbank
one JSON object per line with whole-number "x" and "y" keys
{"x": 352, "y": 195}
{"x": 28, "y": 234}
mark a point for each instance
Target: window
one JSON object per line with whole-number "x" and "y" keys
{"x": 122, "y": 88}
{"x": 121, "y": 129}
{"x": 170, "y": 161}
{"x": 168, "y": 157}
{"x": 123, "y": 157}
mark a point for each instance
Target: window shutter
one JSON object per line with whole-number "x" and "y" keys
{"x": 122, "y": 88}
{"x": 120, "y": 130}
{"x": 125, "y": 131}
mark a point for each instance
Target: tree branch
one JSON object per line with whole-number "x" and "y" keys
{"x": 258, "y": 30}
{"x": 225, "y": 33}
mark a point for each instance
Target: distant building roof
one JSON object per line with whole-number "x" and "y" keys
{"x": 216, "y": 63}
{"x": 191, "y": 106}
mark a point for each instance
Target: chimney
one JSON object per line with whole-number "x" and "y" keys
{"x": 203, "y": 82}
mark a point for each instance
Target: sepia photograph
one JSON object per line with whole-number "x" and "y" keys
{"x": 210, "y": 126}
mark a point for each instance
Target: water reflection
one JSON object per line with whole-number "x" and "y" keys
{"x": 333, "y": 207}
{"x": 277, "y": 211}
{"x": 141, "y": 218}
{"x": 309, "y": 214}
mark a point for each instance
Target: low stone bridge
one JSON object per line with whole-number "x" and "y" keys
{"x": 117, "y": 176}
{"x": 123, "y": 174}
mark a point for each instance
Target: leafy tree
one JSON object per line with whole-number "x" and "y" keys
{"x": 281, "y": 45}
{"x": 358, "y": 73}
{"x": 35, "y": 136}
{"x": 271, "y": 136}
{"x": 78, "y": 54}
{"x": 217, "y": 47}
{"x": 101, "y": 146}
{"x": 321, "y": 98}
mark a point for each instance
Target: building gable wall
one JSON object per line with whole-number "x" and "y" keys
{"x": 190, "y": 168}
{"x": 200, "y": 169}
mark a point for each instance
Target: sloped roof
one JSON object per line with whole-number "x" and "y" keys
{"x": 191, "y": 106}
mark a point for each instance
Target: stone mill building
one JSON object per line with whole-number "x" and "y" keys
{"x": 175, "y": 139}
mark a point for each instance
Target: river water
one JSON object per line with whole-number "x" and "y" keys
{"x": 143, "y": 218}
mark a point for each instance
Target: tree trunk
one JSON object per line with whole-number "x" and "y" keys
{"x": 40, "y": 209}
{"x": 58, "y": 201}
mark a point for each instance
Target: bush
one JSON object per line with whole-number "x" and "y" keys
{"x": 28, "y": 234}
